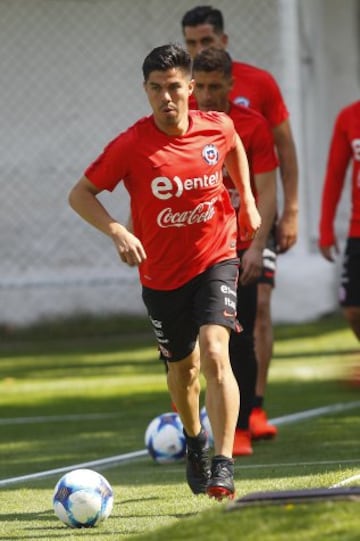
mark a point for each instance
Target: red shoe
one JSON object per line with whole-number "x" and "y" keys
{"x": 242, "y": 443}
{"x": 259, "y": 426}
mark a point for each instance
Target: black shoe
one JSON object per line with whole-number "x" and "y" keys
{"x": 221, "y": 484}
{"x": 197, "y": 462}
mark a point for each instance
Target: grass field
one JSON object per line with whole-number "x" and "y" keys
{"x": 84, "y": 390}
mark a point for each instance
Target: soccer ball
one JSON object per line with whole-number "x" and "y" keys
{"x": 164, "y": 438}
{"x": 82, "y": 498}
{"x": 205, "y": 423}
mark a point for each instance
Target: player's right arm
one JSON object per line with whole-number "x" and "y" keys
{"x": 84, "y": 201}
{"x": 338, "y": 161}
{"x": 287, "y": 230}
{"x": 252, "y": 259}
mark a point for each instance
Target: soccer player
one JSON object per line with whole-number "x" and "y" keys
{"x": 203, "y": 26}
{"x": 213, "y": 82}
{"x": 184, "y": 244}
{"x": 344, "y": 149}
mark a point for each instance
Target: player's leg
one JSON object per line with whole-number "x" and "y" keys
{"x": 244, "y": 365}
{"x": 215, "y": 308}
{"x": 170, "y": 313}
{"x": 349, "y": 292}
{"x": 184, "y": 387}
{"x": 264, "y": 339}
{"x": 349, "y": 296}
{"x": 222, "y": 405}
{"x": 222, "y": 395}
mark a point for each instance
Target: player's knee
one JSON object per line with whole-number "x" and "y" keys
{"x": 214, "y": 363}
{"x": 184, "y": 372}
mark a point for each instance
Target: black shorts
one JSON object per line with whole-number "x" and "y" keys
{"x": 349, "y": 291}
{"x": 267, "y": 275}
{"x": 177, "y": 315}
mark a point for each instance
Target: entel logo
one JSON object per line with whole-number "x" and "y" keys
{"x": 165, "y": 188}
{"x": 355, "y": 143}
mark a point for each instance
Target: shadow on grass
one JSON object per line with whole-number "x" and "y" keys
{"x": 326, "y": 324}
{"x": 327, "y": 440}
{"x": 316, "y": 353}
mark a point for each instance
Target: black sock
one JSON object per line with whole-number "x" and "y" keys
{"x": 196, "y": 441}
{"x": 258, "y": 401}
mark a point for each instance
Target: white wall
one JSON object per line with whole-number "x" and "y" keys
{"x": 328, "y": 50}
{"x": 71, "y": 80}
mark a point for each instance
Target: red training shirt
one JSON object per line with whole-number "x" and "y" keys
{"x": 257, "y": 89}
{"x": 257, "y": 139}
{"x": 180, "y": 208}
{"x": 344, "y": 147}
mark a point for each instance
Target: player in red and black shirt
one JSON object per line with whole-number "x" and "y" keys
{"x": 184, "y": 244}
{"x": 213, "y": 81}
{"x": 344, "y": 149}
{"x": 203, "y": 27}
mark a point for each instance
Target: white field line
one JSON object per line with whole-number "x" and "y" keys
{"x": 286, "y": 419}
{"x": 347, "y": 481}
{"x": 101, "y": 462}
{"x": 307, "y": 414}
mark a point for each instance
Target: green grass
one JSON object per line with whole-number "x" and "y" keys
{"x": 63, "y": 368}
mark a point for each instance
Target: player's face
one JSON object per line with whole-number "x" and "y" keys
{"x": 212, "y": 90}
{"x": 168, "y": 94}
{"x": 200, "y": 37}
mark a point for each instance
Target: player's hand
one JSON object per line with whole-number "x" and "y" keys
{"x": 129, "y": 247}
{"x": 249, "y": 220}
{"x": 287, "y": 231}
{"x": 251, "y": 265}
{"x": 329, "y": 252}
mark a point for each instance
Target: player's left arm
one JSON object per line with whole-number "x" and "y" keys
{"x": 288, "y": 221}
{"x": 237, "y": 166}
{"x": 266, "y": 203}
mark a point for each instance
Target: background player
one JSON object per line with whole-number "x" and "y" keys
{"x": 344, "y": 148}
{"x": 213, "y": 82}
{"x": 203, "y": 26}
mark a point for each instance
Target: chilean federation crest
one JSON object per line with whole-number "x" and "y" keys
{"x": 210, "y": 154}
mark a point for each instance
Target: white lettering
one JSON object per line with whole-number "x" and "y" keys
{"x": 179, "y": 185}
{"x": 227, "y": 290}
{"x": 230, "y": 303}
{"x": 164, "y": 188}
{"x": 156, "y": 323}
{"x": 355, "y": 143}
{"x": 161, "y": 187}
{"x": 201, "y": 213}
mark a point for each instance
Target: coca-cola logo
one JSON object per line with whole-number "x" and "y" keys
{"x": 203, "y": 212}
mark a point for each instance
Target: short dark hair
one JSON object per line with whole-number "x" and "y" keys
{"x": 204, "y": 15}
{"x": 213, "y": 59}
{"x": 167, "y": 57}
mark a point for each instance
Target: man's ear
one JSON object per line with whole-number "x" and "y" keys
{"x": 225, "y": 40}
{"x": 191, "y": 86}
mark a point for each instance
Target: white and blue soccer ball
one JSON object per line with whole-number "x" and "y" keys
{"x": 205, "y": 423}
{"x": 165, "y": 440}
{"x": 83, "y": 498}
